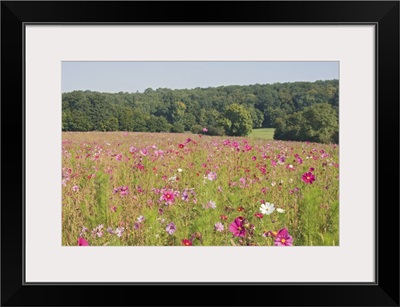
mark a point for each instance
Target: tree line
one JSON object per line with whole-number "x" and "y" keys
{"x": 290, "y": 107}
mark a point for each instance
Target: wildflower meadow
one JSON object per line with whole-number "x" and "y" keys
{"x": 182, "y": 189}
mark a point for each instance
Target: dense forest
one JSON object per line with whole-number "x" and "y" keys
{"x": 293, "y": 108}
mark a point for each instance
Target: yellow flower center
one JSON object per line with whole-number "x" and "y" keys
{"x": 283, "y": 240}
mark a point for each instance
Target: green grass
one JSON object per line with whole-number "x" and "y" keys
{"x": 263, "y": 133}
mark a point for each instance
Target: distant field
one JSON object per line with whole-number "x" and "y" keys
{"x": 263, "y": 133}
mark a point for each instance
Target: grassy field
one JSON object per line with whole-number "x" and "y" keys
{"x": 263, "y": 133}
{"x": 164, "y": 189}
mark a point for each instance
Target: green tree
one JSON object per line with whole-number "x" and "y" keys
{"x": 178, "y": 127}
{"x": 257, "y": 117}
{"x": 317, "y": 123}
{"x": 158, "y": 124}
{"x": 320, "y": 123}
{"x": 237, "y": 120}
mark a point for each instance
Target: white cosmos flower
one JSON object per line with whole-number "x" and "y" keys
{"x": 280, "y": 210}
{"x": 179, "y": 170}
{"x": 267, "y": 208}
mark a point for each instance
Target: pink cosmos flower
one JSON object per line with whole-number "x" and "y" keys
{"x": 210, "y": 204}
{"x": 82, "y": 242}
{"x": 308, "y": 177}
{"x": 237, "y": 227}
{"x": 219, "y": 227}
{"x": 171, "y": 228}
{"x": 118, "y": 157}
{"x": 290, "y": 167}
{"x": 211, "y": 176}
{"x": 158, "y": 153}
{"x": 140, "y": 219}
{"x": 283, "y": 238}
{"x": 119, "y": 231}
{"x": 205, "y": 130}
{"x": 247, "y": 147}
{"x": 124, "y": 191}
{"x": 259, "y": 215}
{"x": 144, "y": 152}
{"x": 75, "y": 188}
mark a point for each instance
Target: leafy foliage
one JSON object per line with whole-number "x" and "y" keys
{"x": 168, "y": 110}
{"x": 318, "y": 123}
{"x": 237, "y": 120}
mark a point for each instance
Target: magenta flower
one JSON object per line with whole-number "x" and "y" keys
{"x": 283, "y": 238}
{"x": 205, "y": 130}
{"x": 259, "y": 215}
{"x": 308, "y": 177}
{"x": 82, "y": 242}
{"x": 237, "y": 227}
{"x": 171, "y": 228}
{"x": 144, "y": 152}
{"x": 168, "y": 196}
{"x": 247, "y": 147}
{"x": 133, "y": 149}
{"x": 123, "y": 191}
{"x": 187, "y": 242}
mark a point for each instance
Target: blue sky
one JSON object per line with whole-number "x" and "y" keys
{"x": 130, "y": 77}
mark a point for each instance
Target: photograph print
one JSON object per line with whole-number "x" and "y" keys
{"x": 200, "y": 153}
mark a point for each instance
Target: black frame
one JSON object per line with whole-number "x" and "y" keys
{"x": 383, "y": 14}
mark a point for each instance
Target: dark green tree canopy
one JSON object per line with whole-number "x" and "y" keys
{"x": 318, "y": 123}
{"x": 236, "y": 120}
{"x": 194, "y": 109}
